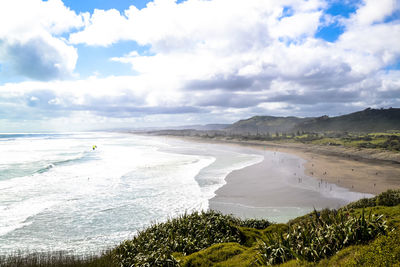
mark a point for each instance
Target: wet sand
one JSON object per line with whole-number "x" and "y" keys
{"x": 330, "y": 177}
{"x": 278, "y": 189}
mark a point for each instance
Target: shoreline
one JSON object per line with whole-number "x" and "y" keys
{"x": 358, "y": 170}
{"x": 278, "y": 189}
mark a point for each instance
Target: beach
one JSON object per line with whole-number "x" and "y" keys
{"x": 335, "y": 173}
{"x": 366, "y": 175}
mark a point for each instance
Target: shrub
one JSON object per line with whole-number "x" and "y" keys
{"x": 186, "y": 235}
{"x": 362, "y": 203}
{"x": 384, "y": 251}
{"x": 254, "y": 223}
{"x": 320, "y": 237}
{"x": 389, "y": 198}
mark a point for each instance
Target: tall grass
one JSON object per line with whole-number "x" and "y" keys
{"x": 55, "y": 259}
{"x": 320, "y": 237}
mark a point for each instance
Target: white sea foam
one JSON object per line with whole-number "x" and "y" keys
{"x": 70, "y": 197}
{"x": 16, "y": 215}
{"x": 57, "y": 193}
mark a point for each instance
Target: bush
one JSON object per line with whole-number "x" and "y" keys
{"x": 384, "y": 251}
{"x": 389, "y": 198}
{"x": 254, "y": 223}
{"x": 320, "y": 237}
{"x": 362, "y": 203}
{"x": 186, "y": 235}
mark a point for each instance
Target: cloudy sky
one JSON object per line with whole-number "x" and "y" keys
{"x": 79, "y": 65}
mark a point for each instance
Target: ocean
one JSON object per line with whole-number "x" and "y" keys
{"x": 57, "y": 193}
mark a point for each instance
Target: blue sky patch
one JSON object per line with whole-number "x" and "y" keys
{"x": 90, "y": 5}
{"x": 287, "y": 12}
{"x": 97, "y": 59}
{"x": 394, "y": 17}
{"x": 395, "y": 66}
{"x": 120, "y": 5}
{"x": 343, "y": 8}
{"x": 330, "y": 33}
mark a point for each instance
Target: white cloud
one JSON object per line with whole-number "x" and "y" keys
{"x": 372, "y": 11}
{"x": 211, "y": 52}
{"x": 105, "y": 28}
{"x": 203, "y": 39}
{"x": 298, "y": 25}
{"x": 235, "y": 57}
{"x": 370, "y": 43}
{"x": 166, "y": 25}
{"x": 30, "y": 41}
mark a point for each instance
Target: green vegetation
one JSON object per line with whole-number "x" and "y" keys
{"x": 57, "y": 259}
{"x": 364, "y": 233}
{"x": 384, "y": 141}
{"x": 389, "y": 198}
{"x": 365, "y": 121}
{"x": 370, "y": 128}
{"x": 185, "y": 235}
{"x": 321, "y": 237}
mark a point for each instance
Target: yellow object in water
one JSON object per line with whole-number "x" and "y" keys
{"x": 94, "y": 147}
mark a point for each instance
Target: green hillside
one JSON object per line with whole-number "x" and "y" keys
{"x": 366, "y": 121}
{"x": 262, "y": 124}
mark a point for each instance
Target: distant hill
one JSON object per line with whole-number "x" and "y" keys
{"x": 197, "y": 127}
{"x": 368, "y": 120}
{"x": 207, "y": 127}
{"x": 262, "y": 124}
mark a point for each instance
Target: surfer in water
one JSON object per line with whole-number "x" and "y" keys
{"x": 94, "y": 147}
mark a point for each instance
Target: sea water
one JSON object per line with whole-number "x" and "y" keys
{"x": 57, "y": 193}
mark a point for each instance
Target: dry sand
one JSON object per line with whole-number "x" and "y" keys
{"x": 348, "y": 168}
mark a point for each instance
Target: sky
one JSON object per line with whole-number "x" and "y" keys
{"x": 78, "y": 65}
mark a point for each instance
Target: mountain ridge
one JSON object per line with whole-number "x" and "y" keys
{"x": 366, "y": 121}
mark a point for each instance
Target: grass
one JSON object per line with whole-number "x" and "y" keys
{"x": 56, "y": 259}
{"x": 364, "y": 233}
{"x": 383, "y": 141}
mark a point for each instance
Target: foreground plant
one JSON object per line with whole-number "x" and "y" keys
{"x": 320, "y": 237}
{"x": 57, "y": 259}
{"x": 185, "y": 235}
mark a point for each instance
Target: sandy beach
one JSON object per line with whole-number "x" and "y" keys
{"x": 316, "y": 176}
{"x": 359, "y": 170}
{"x": 370, "y": 171}
{"x": 361, "y": 175}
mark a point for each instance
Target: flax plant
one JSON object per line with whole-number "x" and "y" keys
{"x": 320, "y": 237}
